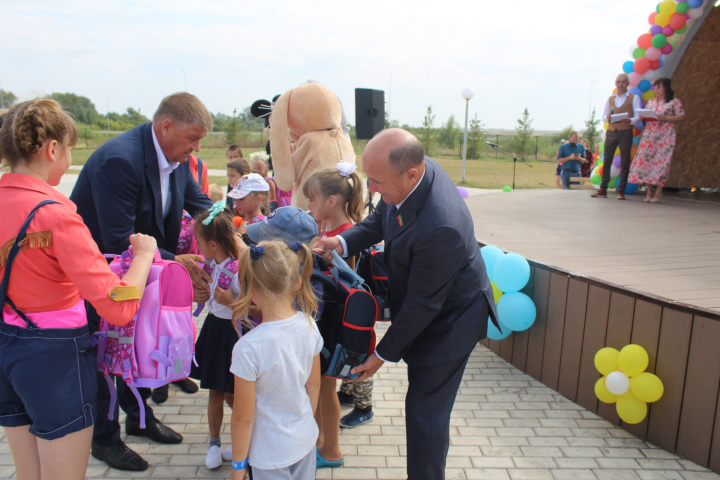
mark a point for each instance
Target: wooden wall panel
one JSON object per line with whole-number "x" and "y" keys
{"x": 536, "y": 333}
{"x": 671, "y": 367}
{"x": 701, "y": 392}
{"x": 646, "y": 333}
{"x": 520, "y": 345}
{"x": 506, "y": 348}
{"x": 573, "y": 338}
{"x": 596, "y": 320}
{"x": 557, "y": 301}
{"x": 619, "y": 332}
{"x": 494, "y": 345}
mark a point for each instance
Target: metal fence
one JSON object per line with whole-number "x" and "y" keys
{"x": 91, "y": 139}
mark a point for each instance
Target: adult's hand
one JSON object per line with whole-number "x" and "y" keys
{"x": 143, "y": 245}
{"x": 325, "y": 245}
{"x": 368, "y": 368}
{"x": 626, "y": 121}
{"x": 200, "y": 279}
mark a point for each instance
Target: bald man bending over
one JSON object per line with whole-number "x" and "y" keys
{"x": 440, "y": 295}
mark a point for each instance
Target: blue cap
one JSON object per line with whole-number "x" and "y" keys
{"x": 289, "y": 224}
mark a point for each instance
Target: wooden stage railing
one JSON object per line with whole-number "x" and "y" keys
{"x": 579, "y": 315}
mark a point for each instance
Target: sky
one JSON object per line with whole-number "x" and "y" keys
{"x": 540, "y": 55}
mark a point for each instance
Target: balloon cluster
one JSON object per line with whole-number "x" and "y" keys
{"x": 668, "y": 27}
{"x": 508, "y": 273}
{"x": 626, "y": 383}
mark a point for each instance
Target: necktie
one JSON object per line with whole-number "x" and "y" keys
{"x": 392, "y": 210}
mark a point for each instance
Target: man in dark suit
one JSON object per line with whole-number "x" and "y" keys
{"x": 140, "y": 182}
{"x": 439, "y": 293}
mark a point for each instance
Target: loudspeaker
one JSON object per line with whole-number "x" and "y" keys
{"x": 369, "y": 112}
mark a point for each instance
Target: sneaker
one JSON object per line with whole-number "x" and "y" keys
{"x": 356, "y": 418}
{"x": 213, "y": 458}
{"x": 227, "y": 454}
{"x": 600, "y": 194}
{"x": 346, "y": 400}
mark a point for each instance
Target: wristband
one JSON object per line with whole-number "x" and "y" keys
{"x": 239, "y": 465}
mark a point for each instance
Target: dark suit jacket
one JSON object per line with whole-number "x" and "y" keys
{"x": 118, "y": 194}
{"x": 439, "y": 291}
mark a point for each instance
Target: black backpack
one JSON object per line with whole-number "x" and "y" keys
{"x": 347, "y": 319}
{"x": 371, "y": 267}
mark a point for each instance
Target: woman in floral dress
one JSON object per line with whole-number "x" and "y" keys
{"x": 652, "y": 162}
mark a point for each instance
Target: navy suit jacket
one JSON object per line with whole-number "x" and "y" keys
{"x": 118, "y": 194}
{"x": 439, "y": 292}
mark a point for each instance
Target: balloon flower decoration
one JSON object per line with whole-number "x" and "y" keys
{"x": 669, "y": 24}
{"x": 509, "y": 273}
{"x": 626, "y": 383}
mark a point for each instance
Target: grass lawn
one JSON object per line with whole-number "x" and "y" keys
{"x": 483, "y": 173}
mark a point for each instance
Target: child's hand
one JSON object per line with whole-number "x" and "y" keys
{"x": 223, "y": 297}
{"x": 241, "y": 229}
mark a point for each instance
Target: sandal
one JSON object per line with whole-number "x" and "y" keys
{"x": 320, "y": 462}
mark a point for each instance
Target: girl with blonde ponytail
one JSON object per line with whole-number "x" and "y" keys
{"x": 276, "y": 365}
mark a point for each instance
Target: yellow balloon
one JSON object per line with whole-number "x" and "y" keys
{"x": 497, "y": 292}
{"x": 606, "y": 360}
{"x": 662, "y": 20}
{"x": 633, "y": 359}
{"x": 617, "y": 152}
{"x": 607, "y": 124}
{"x": 647, "y": 387}
{"x": 647, "y": 96}
{"x": 668, "y": 7}
{"x": 603, "y": 393}
{"x": 630, "y": 409}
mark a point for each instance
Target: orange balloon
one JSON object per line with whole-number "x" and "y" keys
{"x": 633, "y": 151}
{"x": 237, "y": 221}
{"x": 614, "y": 90}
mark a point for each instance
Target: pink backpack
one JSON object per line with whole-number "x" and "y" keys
{"x": 157, "y": 345}
{"x": 226, "y": 275}
{"x": 187, "y": 243}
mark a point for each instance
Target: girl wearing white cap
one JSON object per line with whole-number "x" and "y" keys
{"x": 251, "y": 198}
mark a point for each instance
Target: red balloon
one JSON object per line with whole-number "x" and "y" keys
{"x": 645, "y": 41}
{"x": 655, "y": 64}
{"x": 678, "y": 21}
{"x": 651, "y": 19}
{"x": 641, "y": 65}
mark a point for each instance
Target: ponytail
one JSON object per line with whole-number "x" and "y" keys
{"x": 305, "y": 296}
{"x": 355, "y": 203}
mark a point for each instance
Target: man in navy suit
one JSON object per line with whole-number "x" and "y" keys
{"x": 140, "y": 182}
{"x": 439, "y": 293}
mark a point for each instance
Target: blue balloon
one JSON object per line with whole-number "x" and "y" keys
{"x": 636, "y": 140}
{"x": 490, "y": 256}
{"x": 640, "y": 126}
{"x": 636, "y": 91}
{"x": 511, "y": 273}
{"x": 628, "y": 67}
{"x": 644, "y": 86}
{"x": 630, "y": 188}
{"x": 694, "y": 3}
{"x": 494, "y": 334}
{"x": 662, "y": 63}
{"x": 517, "y": 311}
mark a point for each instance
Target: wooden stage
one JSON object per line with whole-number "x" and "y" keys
{"x": 669, "y": 249}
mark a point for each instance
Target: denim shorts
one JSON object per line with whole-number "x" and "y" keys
{"x": 48, "y": 380}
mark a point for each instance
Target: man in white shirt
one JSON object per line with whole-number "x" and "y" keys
{"x": 619, "y": 134}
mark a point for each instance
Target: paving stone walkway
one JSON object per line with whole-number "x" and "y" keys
{"x": 505, "y": 425}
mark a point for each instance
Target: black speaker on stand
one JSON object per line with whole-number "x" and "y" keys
{"x": 369, "y": 112}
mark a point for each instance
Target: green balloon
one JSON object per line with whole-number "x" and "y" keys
{"x": 613, "y": 182}
{"x": 507, "y": 189}
{"x": 659, "y": 40}
{"x": 657, "y": 9}
{"x": 684, "y": 29}
{"x": 682, "y": 8}
{"x": 602, "y": 147}
{"x": 596, "y": 179}
{"x": 638, "y": 53}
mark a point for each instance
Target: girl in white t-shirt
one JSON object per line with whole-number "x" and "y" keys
{"x": 276, "y": 365}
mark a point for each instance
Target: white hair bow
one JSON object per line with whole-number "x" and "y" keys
{"x": 346, "y": 168}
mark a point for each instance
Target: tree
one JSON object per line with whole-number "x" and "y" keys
{"x": 475, "y": 139}
{"x": 448, "y": 133}
{"x": 81, "y": 108}
{"x": 591, "y": 132}
{"x": 7, "y": 99}
{"x": 131, "y": 118}
{"x": 232, "y": 129}
{"x": 524, "y": 133}
{"x": 428, "y": 132}
{"x": 563, "y": 135}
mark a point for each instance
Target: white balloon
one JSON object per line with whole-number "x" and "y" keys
{"x": 614, "y": 171}
{"x": 632, "y": 51}
{"x": 617, "y": 383}
{"x": 650, "y": 75}
{"x": 695, "y": 12}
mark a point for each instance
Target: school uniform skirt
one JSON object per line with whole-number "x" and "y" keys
{"x": 213, "y": 353}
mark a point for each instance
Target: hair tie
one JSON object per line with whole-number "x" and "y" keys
{"x": 214, "y": 210}
{"x": 295, "y": 247}
{"x": 346, "y": 168}
{"x": 256, "y": 252}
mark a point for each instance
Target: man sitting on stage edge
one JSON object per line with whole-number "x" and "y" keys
{"x": 620, "y": 133}
{"x": 570, "y": 157}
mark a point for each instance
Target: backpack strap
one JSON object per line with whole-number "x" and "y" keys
{"x": 14, "y": 250}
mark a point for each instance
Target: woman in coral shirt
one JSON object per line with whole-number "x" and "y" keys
{"x": 47, "y": 368}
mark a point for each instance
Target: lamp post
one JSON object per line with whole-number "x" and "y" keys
{"x": 590, "y": 103}
{"x": 185, "y": 75}
{"x": 467, "y": 94}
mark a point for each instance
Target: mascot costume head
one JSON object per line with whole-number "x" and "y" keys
{"x": 307, "y": 136}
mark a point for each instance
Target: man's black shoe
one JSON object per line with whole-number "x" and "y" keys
{"x": 154, "y": 431}
{"x": 187, "y": 385}
{"x": 160, "y": 394}
{"x": 119, "y": 457}
{"x": 345, "y": 399}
